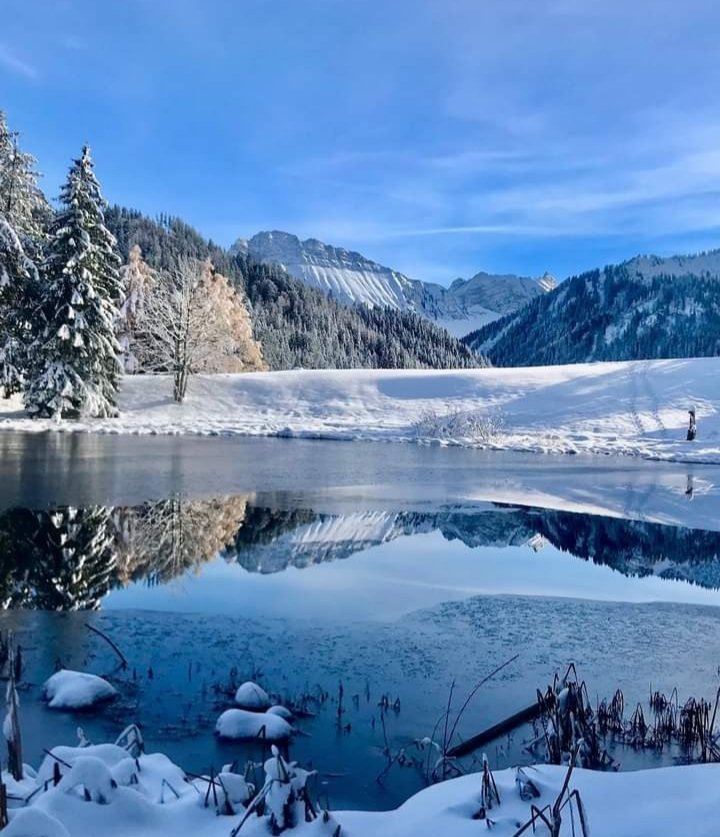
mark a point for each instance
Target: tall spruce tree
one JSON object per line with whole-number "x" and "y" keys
{"x": 74, "y": 359}
{"x": 22, "y": 203}
{"x": 18, "y": 275}
{"x": 24, "y": 214}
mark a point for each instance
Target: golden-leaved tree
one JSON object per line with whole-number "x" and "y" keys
{"x": 230, "y": 321}
{"x": 193, "y": 320}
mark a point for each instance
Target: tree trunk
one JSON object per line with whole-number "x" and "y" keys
{"x": 15, "y": 759}
{"x": 4, "y": 820}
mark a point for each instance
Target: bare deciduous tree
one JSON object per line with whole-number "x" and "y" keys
{"x": 190, "y": 323}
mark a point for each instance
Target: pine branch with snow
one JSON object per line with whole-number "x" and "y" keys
{"x": 22, "y": 203}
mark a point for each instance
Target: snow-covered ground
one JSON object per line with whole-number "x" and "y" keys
{"x": 104, "y": 791}
{"x": 637, "y": 408}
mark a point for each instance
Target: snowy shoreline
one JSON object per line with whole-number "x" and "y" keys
{"x": 104, "y": 791}
{"x": 636, "y": 408}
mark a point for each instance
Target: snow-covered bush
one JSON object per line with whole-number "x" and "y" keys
{"x": 76, "y": 690}
{"x": 234, "y": 792}
{"x": 285, "y": 793}
{"x": 456, "y": 425}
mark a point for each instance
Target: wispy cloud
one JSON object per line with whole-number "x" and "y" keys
{"x": 506, "y": 136}
{"x": 658, "y": 177}
{"x": 13, "y": 63}
{"x": 74, "y": 43}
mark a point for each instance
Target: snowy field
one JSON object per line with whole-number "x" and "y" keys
{"x": 105, "y": 792}
{"x": 637, "y": 408}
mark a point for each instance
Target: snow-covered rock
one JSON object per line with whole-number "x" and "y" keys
{"x": 77, "y": 690}
{"x": 241, "y": 724}
{"x": 253, "y": 697}
{"x": 351, "y": 278}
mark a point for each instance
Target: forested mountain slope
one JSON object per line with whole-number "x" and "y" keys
{"x": 645, "y": 308}
{"x": 299, "y": 326}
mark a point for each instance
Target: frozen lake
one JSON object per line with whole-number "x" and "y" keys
{"x": 395, "y": 569}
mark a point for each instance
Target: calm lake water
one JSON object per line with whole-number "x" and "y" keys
{"x": 396, "y": 570}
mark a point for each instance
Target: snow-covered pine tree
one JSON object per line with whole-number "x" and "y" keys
{"x": 17, "y": 275}
{"x": 137, "y": 279}
{"x": 75, "y": 358}
{"x": 24, "y": 214}
{"x": 22, "y": 203}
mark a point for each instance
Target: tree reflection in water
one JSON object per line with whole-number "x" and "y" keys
{"x": 69, "y": 558}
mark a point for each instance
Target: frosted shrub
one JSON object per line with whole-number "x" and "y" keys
{"x": 234, "y": 794}
{"x": 285, "y": 797}
{"x": 456, "y": 425}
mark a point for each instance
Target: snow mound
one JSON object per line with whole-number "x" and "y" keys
{"x": 90, "y": 775}
{"x": 241, "y": 724}
{"x": 681, "y": 800}
{"x": 109, "y": 754}
{"x": 34, "y": 822}
{"x": 251, "y": 696}
{"x": 77, "y": 690}
{"x": 282, "y": 712}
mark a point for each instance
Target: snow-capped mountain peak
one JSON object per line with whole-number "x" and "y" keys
{"x": 350, "y": 277}
{"x": 353, "y": 279}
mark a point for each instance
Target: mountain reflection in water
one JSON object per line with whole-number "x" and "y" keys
{"x": 69, "y": 558}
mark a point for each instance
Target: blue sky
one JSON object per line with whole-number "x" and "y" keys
{"x": 440, "y": 137}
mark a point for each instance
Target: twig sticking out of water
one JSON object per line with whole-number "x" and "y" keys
{"x": 446, "y": 765}
{"x": 340, "y": 707}
{"x": 4, "y": 651}
{"x": 552, "y": 816}
{"x": 114, "y": 647}
{"x": 489, "y": 794}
